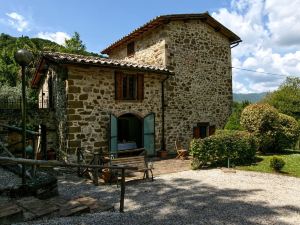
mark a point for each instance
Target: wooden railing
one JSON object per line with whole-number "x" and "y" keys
{"x": 11, "y": 161}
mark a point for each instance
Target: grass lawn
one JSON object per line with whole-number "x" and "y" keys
{"x": 291, "y": 168}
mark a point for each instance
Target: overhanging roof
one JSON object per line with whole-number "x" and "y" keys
{"x": 152, "y": 24}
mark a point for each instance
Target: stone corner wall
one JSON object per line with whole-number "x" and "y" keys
{"x": 201, "y": 90}
{"x": 58, "y": 75}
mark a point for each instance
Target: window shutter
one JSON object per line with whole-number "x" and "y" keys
{"x": 140, "y": 84}
{"x": 196, "y": 132}
{"x": 212, "y": 130}
{"x": 118, "y": 85}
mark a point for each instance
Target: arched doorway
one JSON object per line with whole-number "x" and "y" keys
{"x": 130, "y": 133}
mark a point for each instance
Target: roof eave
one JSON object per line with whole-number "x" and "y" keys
{"x": 152, "y": 24}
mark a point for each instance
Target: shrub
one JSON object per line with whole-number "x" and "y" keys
{"x": 289, "y": 132}
{"x": 239, "y": 146}
{"x": 277, "y": 164}
{"x": 274, "y": 131}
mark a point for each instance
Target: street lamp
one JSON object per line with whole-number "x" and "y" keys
{"x": 23, "y": 58}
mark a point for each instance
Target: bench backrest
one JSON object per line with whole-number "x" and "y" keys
{"x": 135, "y": 161}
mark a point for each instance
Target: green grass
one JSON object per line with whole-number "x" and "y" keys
{"x": 291, "y": 168}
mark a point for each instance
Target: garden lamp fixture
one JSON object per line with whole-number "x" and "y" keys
{"x": 23, "y": 58}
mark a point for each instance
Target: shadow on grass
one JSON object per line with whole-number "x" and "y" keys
{"x": 284, "y": 152}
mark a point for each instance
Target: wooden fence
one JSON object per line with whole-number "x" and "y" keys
{"x": 11, "y": 161}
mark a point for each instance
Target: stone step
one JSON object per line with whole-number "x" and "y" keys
{"x": 36, "y": 208}
{"x": 76, "y": 211}
{"x": 10, "y": 213}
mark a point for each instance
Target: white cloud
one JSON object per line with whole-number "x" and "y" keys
{"x": 284, "y": 21}
{"x": 58, "y": 37}
{"x": 271, "y": 39}
{"x": 17, "y": 21}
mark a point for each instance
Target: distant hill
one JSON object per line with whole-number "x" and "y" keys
{"x": 251, "y": 97}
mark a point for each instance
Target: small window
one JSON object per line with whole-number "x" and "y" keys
{"x": 129, "y": 86}
{"x": 130, "y": 49}
{"x": 203, "y": 130}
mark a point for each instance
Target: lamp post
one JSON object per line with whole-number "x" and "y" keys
{"x": 23, "y": 58}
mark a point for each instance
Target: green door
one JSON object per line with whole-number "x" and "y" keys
{"x": 149, "y": 134}
{"x": 113, "y": 142}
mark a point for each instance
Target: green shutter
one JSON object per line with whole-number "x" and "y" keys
{"x": 149, "y": 134}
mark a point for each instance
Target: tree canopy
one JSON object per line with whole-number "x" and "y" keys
{"x": 74, "y": 44}
{"x": 9, "y": 69}
{"x": 287, "y": 98}
{"x": 233, "y": 122}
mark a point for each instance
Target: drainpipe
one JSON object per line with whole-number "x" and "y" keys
{"x": 163, "y": 144}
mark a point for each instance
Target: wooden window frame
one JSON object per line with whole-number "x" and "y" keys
{"x": 210, "y": 130}
{"x": 126, "y": 96}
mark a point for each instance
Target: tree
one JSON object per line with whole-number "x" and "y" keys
{"x": 274, "y": 131}
{"x": 287, "y": 98}
{"x": 233, "y": 122}
{"x": 74, "y": 44}
{"x": 9, "y": 70}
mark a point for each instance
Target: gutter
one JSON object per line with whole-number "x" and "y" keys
{"x": 235, "y": 43}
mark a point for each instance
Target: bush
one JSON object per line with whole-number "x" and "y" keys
{"x": 239, "y": 146}
{"x": 274, "y": 131}
{"x": 289, "y": 132}
{"x": 277, "y": 164}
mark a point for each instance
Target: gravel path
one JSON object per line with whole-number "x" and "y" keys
{"x": 195, "y": 197}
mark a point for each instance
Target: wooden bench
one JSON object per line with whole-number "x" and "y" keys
{"x": 135, "y": 161}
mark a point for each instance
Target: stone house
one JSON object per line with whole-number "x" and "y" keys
{"x": 169, "y": 79}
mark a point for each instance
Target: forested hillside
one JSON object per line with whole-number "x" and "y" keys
{"x": 9, "y": 70}
{"x": 251, "y": 97}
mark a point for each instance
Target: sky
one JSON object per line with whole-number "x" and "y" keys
{"x": 269, "y": 29}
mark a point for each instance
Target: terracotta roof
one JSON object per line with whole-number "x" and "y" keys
{"x": 154, "y": 23}
{"x": 66, "y": 58}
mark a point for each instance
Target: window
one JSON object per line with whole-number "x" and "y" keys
{"x": 130, "y": 49}
{"x": 203, "y": 130}
{"x": 129, "y": 86}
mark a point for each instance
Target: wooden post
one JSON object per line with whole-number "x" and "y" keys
{"x": 78, "y": 161}
{"x": 95, "y": 172}
{"x": 43, "y": 141}
{"x": 122, "y": 191}
{"x": 34, "y": 154}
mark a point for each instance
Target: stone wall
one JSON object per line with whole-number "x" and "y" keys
{"x": 58, "y": 75}
{"x": 201, "y": 89}
{"x": 149, "y": 49}
{"x": 91, "y": 99}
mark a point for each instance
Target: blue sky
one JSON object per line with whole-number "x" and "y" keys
{"x": 268, "y": 28}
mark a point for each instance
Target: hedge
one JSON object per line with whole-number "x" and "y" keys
{"x": 238, "y": 146}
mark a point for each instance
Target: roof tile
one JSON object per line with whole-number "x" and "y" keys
{"x": 66, "y": 58}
